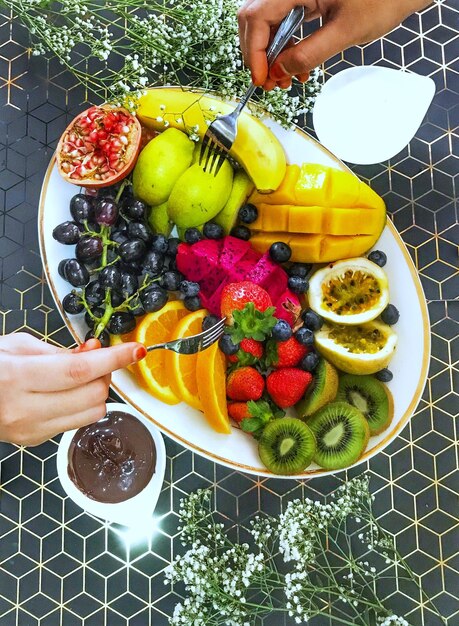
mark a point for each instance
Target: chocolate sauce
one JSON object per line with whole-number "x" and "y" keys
{"x": 113, "y": 459}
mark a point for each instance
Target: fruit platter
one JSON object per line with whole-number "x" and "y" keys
{"x": 326, "y": 344}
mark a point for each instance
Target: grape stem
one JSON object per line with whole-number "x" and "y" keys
{"x": 108, "y": 312}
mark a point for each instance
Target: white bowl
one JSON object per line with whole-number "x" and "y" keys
{"x": 133, "y": 511}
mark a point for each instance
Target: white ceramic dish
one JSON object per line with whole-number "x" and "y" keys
{"x": 133, "y": 511}
{"x": 187, "y": 425}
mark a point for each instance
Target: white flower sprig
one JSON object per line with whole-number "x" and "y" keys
{"x": 307, "y": 562}
{"x": 116, "y": 49}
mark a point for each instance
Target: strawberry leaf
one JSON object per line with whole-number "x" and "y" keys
{"x": 250, "y": 323}
{"x": 251, "y": 424}
{"x": 271, "y": 353}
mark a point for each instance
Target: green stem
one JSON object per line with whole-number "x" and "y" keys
{"x": 103, "y": 321}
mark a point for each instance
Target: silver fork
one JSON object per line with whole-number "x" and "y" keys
{"x": 221, "y": 134}
{"x": 195, "y": 343}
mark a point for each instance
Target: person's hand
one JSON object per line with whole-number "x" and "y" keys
{"x": 46, "y": 390}
{"x": 345, "y": 23}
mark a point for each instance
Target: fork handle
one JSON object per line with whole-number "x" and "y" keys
{"x": 158, "y": 346}
{"x": 284, "y": 33}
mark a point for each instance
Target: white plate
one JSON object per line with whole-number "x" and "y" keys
{"x": 187, "y": 425}
{"x": 131, "y": 512}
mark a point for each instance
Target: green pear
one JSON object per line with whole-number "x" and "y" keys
{"x": 242, "y": 187}
{"x": 158, "y": 219}
{"x": 198, "y": 196}
{"x": 160, "y": 164}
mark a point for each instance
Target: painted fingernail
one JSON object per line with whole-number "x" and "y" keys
{"x": 140, "y": 353}
{"x": 80, "y": 348}
{"x": 277, "y": 72}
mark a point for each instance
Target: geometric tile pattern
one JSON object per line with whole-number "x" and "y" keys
{"x": 61, "y": 567}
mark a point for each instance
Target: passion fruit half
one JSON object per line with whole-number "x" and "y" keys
{"x": 360, "y": 349}
{"x": 99, "y": 147}
{"x": 352, "y": 291}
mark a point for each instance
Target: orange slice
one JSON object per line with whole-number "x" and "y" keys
{"x": 158, "y": 328}
{"x": 181, "y": 368}
{"x": 211, "y": 377}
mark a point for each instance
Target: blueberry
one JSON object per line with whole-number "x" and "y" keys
{"x": 241, "y": 232}
{"x": 310, "y": 361}
{"x": 172, "y": 246}
{"x": 193, "y": 235}
{"x": 72, "y": 304}
{"x": 312, "y": 320}
{"x": 153, "y": 262}
{"x": 192, "y": 303}
{"x": 305, "y": 336}
{"x": 189, "y": 288}
{"x": 138, "y": 230}
{"x": 378, "y": 257}
{"x": 209, "y": 321}
{"x": 171, "y": 280}
{"x": 110, "y": 277}
{"x": 132, "y": 250}
{"x": 390, "y": 315}
{"x": 104, "y": 337}
{"x": 154, "y": 298}
{"x": 248, "y": 213}
{"x": 385, "y": 375}
{"x": 212, "y": 230}
{"x": 67, "y": 233}
{"x": 280, "y": 252}
{"x": 227, "y": 346}
{"x": 300, "y": 269}
{"x": 282, "y": 331}
{"x": 121, "y": 322}
{"x": 298, "y": 284}
{"x": 159, "y": 244}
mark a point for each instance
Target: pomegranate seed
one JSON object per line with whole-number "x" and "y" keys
{"x": 104, "y": 169}
{"x": 66, "y": 166}
{"x": 72, "y": 137}
{"x": 102, "y": 134}
{"x": 119, "y": 167}
{"x": 93, "y": 135}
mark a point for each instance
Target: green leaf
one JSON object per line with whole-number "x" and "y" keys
{"x": 250, "y": 323}
{"x": 251, "y": 424}
{"x": 271, "y": 353}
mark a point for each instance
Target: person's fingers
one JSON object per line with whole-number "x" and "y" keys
{"x": 68, "y": 370}
{"x": 77, "y": 400}
{"x": 25, "y": 343}
{"x": 256, "y": 19}
{"x": 285, "y": 84}
{"x": 87, "y": 346}
{"x": 78, "y": 420}
{"x": 311, "y": 52}
{"x": 302, "y": 77}
{"x": 269, "y": 84}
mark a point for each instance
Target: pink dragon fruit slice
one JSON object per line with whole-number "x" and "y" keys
{"x": 212, "y": 303}
{"x": 198, "y": 261}
{"x": 233, "y": 251}
{"x": 270, "y": 276}
{"x": 288, "y": 307}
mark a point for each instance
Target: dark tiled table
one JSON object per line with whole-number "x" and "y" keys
{"x": 62, "y": 567}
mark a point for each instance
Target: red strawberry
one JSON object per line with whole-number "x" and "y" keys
{"x": 245, "y": 383}
{"x": 287, "y": 386}
{"x": 250, "y": 347}
{"x": 289, "y": 353}
{"x": 238, "y": 411}
{"x": 236, "y": 295}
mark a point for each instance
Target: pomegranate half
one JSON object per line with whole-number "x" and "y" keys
{"x": 99, "y": 147}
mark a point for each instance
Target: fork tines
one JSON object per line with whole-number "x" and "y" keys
{"x": 214, "y": 151}
{"x": 215, "y": 332}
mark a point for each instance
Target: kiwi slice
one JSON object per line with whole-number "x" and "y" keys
{"x": 341, "y": 433}
{"x": 370, "y": 397}
{"x": 286, "y": 446}
{"x": 322, "y": 391}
